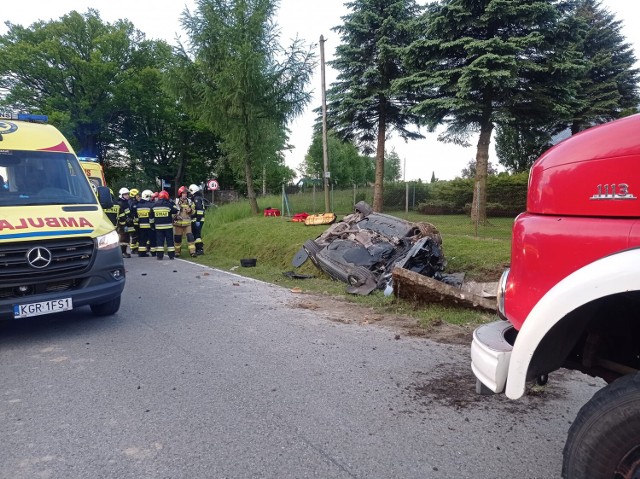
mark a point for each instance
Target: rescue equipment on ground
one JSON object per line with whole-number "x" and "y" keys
{"x": 320, "y": 219}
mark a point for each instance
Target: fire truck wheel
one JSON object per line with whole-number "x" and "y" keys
{"x": 106, "y": 309}
{"x": 604, "y": 440}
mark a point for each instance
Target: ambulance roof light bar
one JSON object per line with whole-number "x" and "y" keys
{"x": 32, "y": 117}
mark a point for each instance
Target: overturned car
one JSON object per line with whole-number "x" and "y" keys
{"x": 363, "y": 248}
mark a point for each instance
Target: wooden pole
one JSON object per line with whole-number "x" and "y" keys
{"x": 325, "y": 155}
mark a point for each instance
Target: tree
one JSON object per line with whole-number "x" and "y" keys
{"x": 518, "y": 145}
{"x": 348, "y": 167}
{"x": 392, "y": 167}
{"x": 237, "y": 80}
{"x": 361, "y": 104}
{"x": 479, "y": 60}
{"x": 605, "y": 89}
{"x": 609, "y": 85}
{"x": 155, "y": 137}
{"x": 469, "y": 172}
{"x": 71, "y": 69}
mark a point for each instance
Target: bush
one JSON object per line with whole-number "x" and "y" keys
{"x": 506, "y": 196}
{"x": 497, "y": 210}
{"x": 438, "y": 207}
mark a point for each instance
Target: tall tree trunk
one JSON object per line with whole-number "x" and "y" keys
{"x": 248, "y": 172}
{"x": 182, "y": 163}
{"x": 378, "y": 188}
{"x": 479, "y": 205}
{"x": 251, "y": 194}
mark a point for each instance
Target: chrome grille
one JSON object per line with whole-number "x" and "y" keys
{"x": 68, "y": 256}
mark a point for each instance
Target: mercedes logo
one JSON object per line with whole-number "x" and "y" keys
{"x": 39, "y": 257}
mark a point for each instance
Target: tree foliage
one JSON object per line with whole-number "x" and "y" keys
{"x": 348, "y": 167}
{"x": 361, "y": 104}
{"x": 608, "y": 85}
{"x": 478, "y": 61}
{"x": 74, "y": 66}
{"x": 392, "y": 167}
{"x": 469, "y": 171}
{"x": 237, "y": 80}
{"x": 102, "y": 84}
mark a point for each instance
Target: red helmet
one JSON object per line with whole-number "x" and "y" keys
{"x": 182, "y": 189}
{"x": 163, "y": 195}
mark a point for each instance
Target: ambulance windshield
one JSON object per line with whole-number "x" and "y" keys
{"x": 42, "y": 178}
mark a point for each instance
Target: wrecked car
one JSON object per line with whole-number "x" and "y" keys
{"x": 363, "y": 248}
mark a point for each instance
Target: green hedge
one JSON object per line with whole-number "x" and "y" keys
{"x": 506, "y": 196}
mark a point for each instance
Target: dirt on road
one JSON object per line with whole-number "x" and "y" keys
{"x": 343, "y": 311}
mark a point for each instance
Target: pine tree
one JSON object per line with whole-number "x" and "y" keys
{"x": 608, "y": 86}
{"x": 478, "y": 59}
{"x": 361, "y": 104}
{"x": 238, "y": 80}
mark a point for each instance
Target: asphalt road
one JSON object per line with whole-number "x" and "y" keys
{"x": 203, "y": 374}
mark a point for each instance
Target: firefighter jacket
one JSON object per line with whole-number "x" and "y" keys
{"x": 198, "y": 208}
{"x": 144, "y": 213}
{"x": 163, "y": 212}
{"x": 113, "y": 213}
{"x": 133, "y": 203}
{"x": 185, "y": 208}
{"x": 124, "y": 218}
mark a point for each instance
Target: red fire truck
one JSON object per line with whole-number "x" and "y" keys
{"x": 571, "y": 296}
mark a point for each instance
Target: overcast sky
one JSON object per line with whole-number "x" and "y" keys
{"x": 306, "y": 18}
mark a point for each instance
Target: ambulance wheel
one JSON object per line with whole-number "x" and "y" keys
{"x": 604, "y": 440}
{"x": 106, "y": 309}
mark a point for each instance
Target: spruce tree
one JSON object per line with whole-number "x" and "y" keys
{"x": 361, "y": 105}
{"x": 477, "y": 59}
{"x": 608, "y": 86}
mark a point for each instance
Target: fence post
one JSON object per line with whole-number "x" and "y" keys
{"x": 406, "y": 198}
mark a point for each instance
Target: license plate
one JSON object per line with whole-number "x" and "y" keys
{"x": 43, "y": 307}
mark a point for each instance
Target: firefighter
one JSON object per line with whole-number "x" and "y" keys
{"x": 113, "y": 213}
{"x": 152, "y": 233}
{"x": 182, "y": 222}
{"x": 124, "y": 221}
{"x": 145, "y": 218}
{"x": 134, "y": 197}
{"x": 197, "y": 217}
{"x": 163, "y": 211}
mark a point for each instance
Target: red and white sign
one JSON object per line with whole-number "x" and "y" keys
{"x": 213, "y": 185}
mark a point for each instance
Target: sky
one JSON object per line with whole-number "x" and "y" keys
{"x": 306, "y": 19}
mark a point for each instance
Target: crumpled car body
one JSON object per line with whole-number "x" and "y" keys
{"x": 363, "y": 248}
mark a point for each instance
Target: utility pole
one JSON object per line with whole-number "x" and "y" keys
{"x": 325, "y": 155}
{"x": 406, "y": 186}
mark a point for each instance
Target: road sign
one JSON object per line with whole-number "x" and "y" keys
{"x": 212, "y": 185}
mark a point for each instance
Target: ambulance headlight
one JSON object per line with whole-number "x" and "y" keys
{"x": 108, "y": 241}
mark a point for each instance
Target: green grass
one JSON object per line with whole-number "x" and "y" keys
{"x": 231, "y": 233}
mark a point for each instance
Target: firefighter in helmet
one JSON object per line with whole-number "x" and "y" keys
{"x": 197, "y": 217}
{"x": 145, "y": 218}
{"x": 125, "y": 221}
{"x": 134, "y": 197}
{"x": 182, "y": 222}
{"x": 163, "y": 211}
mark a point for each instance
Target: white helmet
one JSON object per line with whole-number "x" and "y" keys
{"x": 123, "y": 191}
{"x": 146, "y": 195}
{"x": 193, "y": 189}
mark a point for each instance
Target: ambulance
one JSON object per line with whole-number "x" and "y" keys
{"x": 93, "y": 169}
{"x": 58, "y": 250}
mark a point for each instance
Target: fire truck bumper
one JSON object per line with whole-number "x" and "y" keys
{"x": 491, "y": 353}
